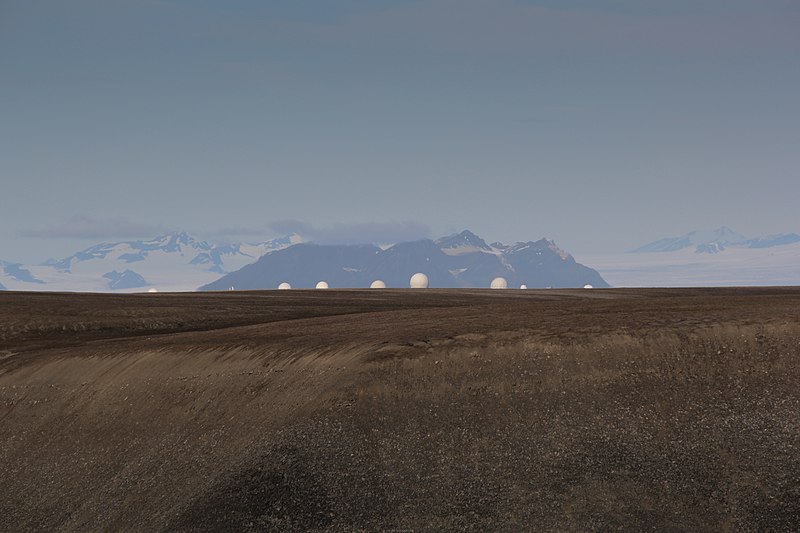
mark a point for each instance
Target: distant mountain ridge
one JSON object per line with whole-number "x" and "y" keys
{"x": 213, "y": 257}
{"x": 464, "y": 242}
{"x": 180, "y": 262}
{"x": 460, "y": 260}
{"x": 173, "y": 261}
{"x": 715, "y": 241}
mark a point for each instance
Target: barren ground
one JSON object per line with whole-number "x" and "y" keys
{"x": 367, "y": 410}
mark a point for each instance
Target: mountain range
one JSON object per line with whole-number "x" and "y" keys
{"x": 180, "y": 262}
{"x": 716, "y": 241}
{"x": 720, "y": 257}
{"x": 173, "y": 262}
{"x": 461, "y": 260}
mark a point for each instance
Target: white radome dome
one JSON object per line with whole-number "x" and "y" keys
{"x": 377, "y": 284}
{"x": 152, "y": 290}
{"x": 523, "y": 286}
{"x": 499, "y": 283}
{"x": 284, "y": 286}
{"x": 322, "y": 285}
{"x": 418, "y": 281}
{"x": 587, "y": 286}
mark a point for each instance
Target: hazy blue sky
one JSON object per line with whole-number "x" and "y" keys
{"x": 601, "y": 124}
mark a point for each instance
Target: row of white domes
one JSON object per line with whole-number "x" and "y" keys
{"x": 417, "y": 281}
{"x": 377, "y": 284}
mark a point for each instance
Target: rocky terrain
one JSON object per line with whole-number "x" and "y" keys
{"x": 465, "y": 410}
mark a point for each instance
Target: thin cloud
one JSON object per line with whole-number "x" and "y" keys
{"x": 81, "y": 227}
{"x": 240, "y": 231}
{"x": 360, "y": 233}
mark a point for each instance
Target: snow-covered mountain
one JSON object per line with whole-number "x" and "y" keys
{"x": 720, "y": 257}
{"x": 462, "y": 260}
{"x": 715, "y": 241}
{"x": 463, "y": 243}
{"x": 770, "y": 241}
{"x": 171, "y": 262}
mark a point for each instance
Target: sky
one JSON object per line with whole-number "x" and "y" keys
{"x": 602, "y": 124}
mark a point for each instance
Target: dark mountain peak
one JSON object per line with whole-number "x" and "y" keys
{"x": 464, "y": 242}
{"x": 535, "y": 263}
{"x": 537, "y": 247}
{"x": 172, "y": 242}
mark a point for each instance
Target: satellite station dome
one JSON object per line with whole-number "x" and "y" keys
{"x": 523, "y": 286}
{"x": 587, "y": 286}
{"x": 284, "y": 286}
{"x": 418, "y": 281}
{"x": 377, "y": 284}
{"x": 499, "y": 283}
{"x": 322, "y": 285}
{"x": 152, "y": 290}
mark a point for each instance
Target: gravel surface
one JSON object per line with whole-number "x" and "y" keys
{"x": 602, "y": 410}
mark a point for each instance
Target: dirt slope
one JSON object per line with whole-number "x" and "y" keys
{"x": 405, "y": 410}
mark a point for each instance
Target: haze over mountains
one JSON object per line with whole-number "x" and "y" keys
{"x": 174, "y": 261}
{"x": 462, "y": 260}
{"x": 180, "y": 262}
{"x": 716, "y": 241}
{"x": 719, "y": 257}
